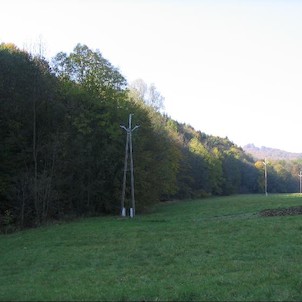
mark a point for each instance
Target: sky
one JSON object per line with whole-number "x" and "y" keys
{"x": 231, "y": 68}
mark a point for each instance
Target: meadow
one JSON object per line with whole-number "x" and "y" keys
{"x": 212, "y": 249}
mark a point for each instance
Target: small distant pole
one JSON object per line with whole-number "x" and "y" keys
{"x": 265, "y": 176}
{"x": 128, "y": 150}
{"x": 300, "y": 175}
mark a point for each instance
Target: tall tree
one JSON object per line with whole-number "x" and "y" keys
{"x": 89, "y": 69}
{"x": 28, "y": 119}
{"x": 148, "y": 94}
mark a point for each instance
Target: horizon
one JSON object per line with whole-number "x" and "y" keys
{"x": 228, "y": 68}
{"x": 270, "y": 148}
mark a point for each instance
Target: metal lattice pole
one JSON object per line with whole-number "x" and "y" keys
{"x": 123, "y": 209}
{"x": 131, "y": 171}
{"x": 300, "y": 175}
{"x": 129, "y": 149}
{"x": 265, "y": 175}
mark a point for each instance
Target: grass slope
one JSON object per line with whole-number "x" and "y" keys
{"x": 211, "y": 249}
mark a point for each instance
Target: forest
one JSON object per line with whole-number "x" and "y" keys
{"x": 62, "y": 147}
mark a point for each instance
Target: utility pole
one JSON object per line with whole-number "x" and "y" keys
{"x": 128, "y": 151}
{"x": 300, "y": 175}
{"x": 265, "y": 176}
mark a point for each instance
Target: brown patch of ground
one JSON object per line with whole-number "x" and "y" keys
{"x": 282, "y": 212}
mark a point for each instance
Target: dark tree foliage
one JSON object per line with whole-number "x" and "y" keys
{"x": 62, "y": 148}
{"x": 28, "y": 135}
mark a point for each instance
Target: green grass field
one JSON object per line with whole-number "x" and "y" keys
{"x": 210, "y": 249}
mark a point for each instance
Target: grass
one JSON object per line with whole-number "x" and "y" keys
{"x": 210, "y": 249}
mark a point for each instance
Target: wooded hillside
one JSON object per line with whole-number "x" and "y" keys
{"x": 62, "y": 148}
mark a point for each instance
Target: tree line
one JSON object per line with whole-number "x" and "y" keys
{"x": 62, "y": 147}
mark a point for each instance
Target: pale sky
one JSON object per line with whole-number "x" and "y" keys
{"x": 228, "y": 68}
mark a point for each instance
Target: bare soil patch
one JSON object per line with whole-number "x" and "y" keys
{"x": 291, "y": 211}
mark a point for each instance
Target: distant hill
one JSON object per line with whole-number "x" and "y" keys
{"x": 275, "y": 154}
